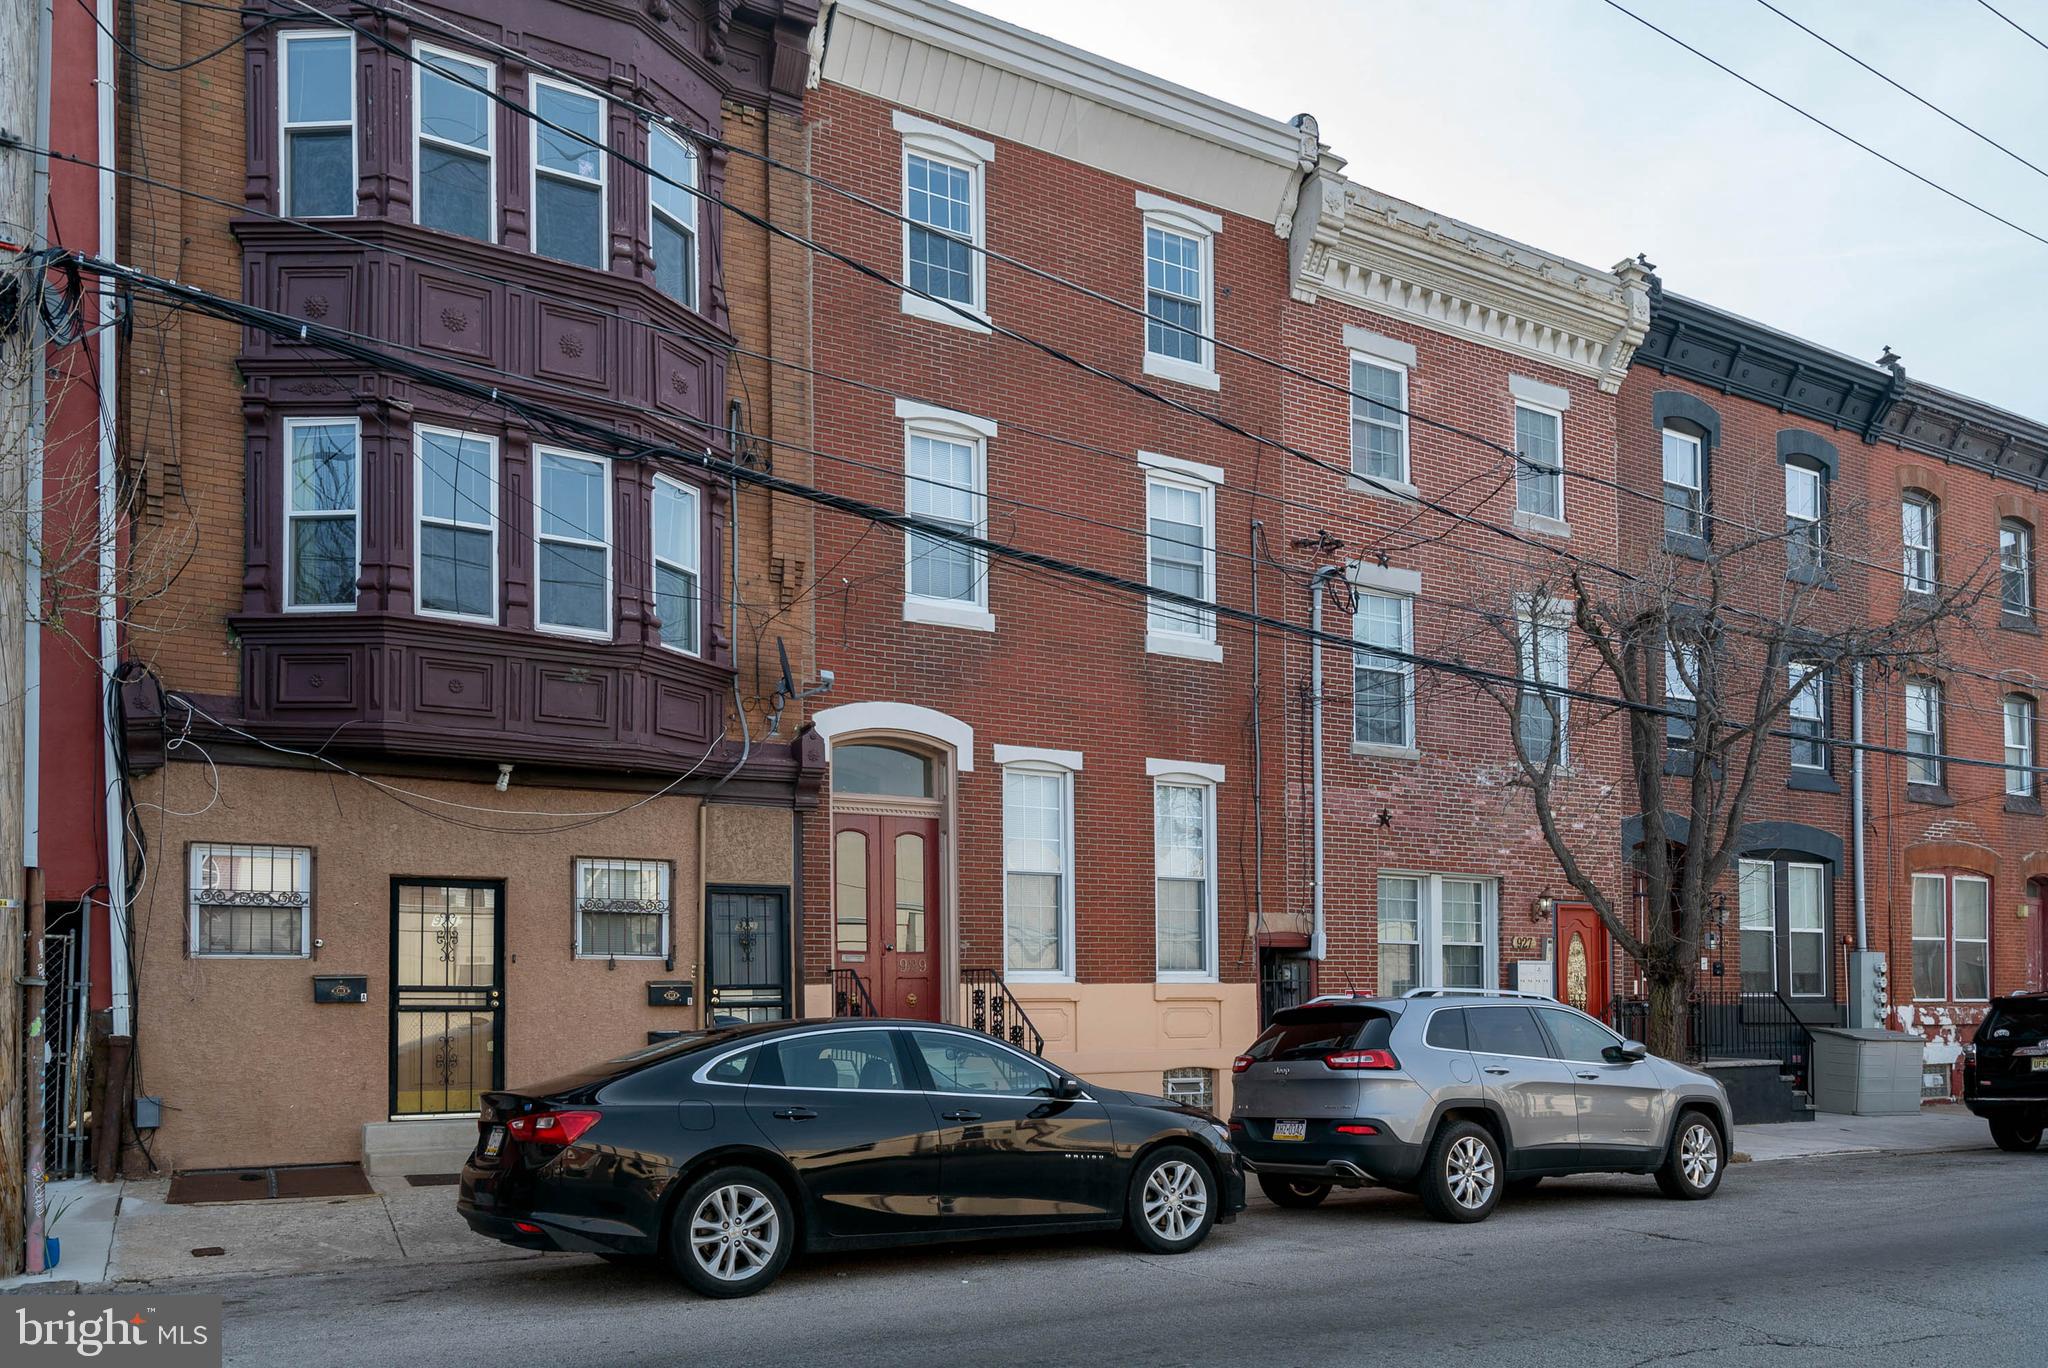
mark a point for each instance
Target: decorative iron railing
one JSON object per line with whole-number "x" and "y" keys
{"x": 850, "y": 997}
{"x": 992, "y": 1009}
{"x": 1730, "y": 1024}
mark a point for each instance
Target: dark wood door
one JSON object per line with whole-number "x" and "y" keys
{"x": 1582, "y": 959}
{"x": 886, "y": 909}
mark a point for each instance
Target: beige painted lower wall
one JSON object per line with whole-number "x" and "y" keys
{"x": 252, "y": 1070}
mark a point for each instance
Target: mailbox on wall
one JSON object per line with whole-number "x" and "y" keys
{"x": 671, "y": 993}
{"x": 341, "y": 988}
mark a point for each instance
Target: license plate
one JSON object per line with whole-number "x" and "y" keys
{"x": 494, "y": 1142}
{"x": 1290, "y": 1130}
{"x": 2040, "y": 1063}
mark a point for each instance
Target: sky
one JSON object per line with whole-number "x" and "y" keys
{"x": 1567, "y": 125}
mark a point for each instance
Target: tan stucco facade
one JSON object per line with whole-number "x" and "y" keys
{"x": 252, "y": 1070}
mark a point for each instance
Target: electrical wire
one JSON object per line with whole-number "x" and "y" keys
{"x": 2014, "y": 25}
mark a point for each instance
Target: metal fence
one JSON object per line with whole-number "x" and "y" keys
{"x": 1726, "y": 1023}
{"x": 66, "y": 1057}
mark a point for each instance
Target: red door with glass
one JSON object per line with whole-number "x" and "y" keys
{"x": 1582, "y": 959}
{"x": 885, "y": 892}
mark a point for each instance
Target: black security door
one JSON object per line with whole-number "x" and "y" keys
{"x": 447, "y": 996}
{"x": 747, "y": 930}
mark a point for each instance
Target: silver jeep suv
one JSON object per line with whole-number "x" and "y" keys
{"x": 1455, "y": 1094}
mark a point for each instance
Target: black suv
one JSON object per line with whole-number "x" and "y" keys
{"x": 2005, "y": 1070}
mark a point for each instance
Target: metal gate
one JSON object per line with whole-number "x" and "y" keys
{"x": 447, "y": 996}
{"x": 66, "y": 1059}
{"x": 747, "y": 930}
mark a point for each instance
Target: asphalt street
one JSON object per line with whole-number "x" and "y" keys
{"x": 1922, "y": 1259}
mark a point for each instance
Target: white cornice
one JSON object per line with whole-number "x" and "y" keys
{"x": 970, "y": 69}
{"x": 1354, "y": 244}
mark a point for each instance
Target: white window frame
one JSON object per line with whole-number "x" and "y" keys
{"x": 696, "y": 571}
{"x": 291, "y": 425}
{"x": 1529, "y": 518}
{"x": 419, "y": 520}
{"x": 1955, "y": 939}
{"x": 922, "y": 420}
{"x": 656, "y": 213}
{"x": 1941, "y": 989}
{"x": 195, "y": 856}
{"x": 1405, "y": 669}
{"x": 1921, "y": 564}
{"x": 665, "y": 887}
{"x": 602, "y": 181}
{"x": 1805, "y": 679}
{"x": 2022, "y": 534}
{"x": 1768, "y": 929}
{"x": 1932, "y": 763}
{"x": 1360, "y": 478}
{"x": 421, "y": 136}
{"x": 1202, "y": 227}
{"x": 1061, "y": 766}
{"x": 2019, "y": 758}
{"x": 602, "y": 540}
{"x": 1792, "y": 932}
{"x": 1696, "y": 508}
{"x": 964, "y": 152}
{"x": 1207, "y": 779}
{"x": 1811, "y": 532}
{"x": 1534, "y": 620}
{"x": 285, "y": 127}
{"x": 1165, "y": 633}
{"x": 1429, "y": 926}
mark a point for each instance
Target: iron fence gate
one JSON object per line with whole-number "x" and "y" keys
{"x": 66, "y": 1059}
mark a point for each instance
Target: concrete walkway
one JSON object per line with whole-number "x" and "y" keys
{"x": 1933, "y": 1129}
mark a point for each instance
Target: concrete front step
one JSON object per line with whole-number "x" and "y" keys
{"x": 392, "y": 1149}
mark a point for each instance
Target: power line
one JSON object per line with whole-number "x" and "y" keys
{"x": 2014, "y": 26}
{"x": 1973, "y": 132}
{"x": 1930, "y": 183}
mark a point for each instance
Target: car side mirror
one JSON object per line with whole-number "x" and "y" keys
{"x": 1067, "y": 1088}
{"x": 1628, "y": 1052}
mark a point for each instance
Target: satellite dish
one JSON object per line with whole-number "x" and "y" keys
{"x": 787, "y": 687}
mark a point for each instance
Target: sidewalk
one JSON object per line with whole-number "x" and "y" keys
{"x": 1933, "y": 1129}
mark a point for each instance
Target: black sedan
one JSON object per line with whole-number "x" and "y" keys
{"x": 725, "y": 1152}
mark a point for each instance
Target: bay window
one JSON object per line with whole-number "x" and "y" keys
{"x": 573, "y": 553}
{"x": 568, "y": 174}
{"x": 677, "y": 572}
{"x": 316, "y": 86}
{"x": 323, "y": 497}
{"x": 454, "y": 145}
{"x": 673, "y": 211}
{"x": 455, "y": 535}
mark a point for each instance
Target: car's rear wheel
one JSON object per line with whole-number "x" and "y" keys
{"x": 1461, "y": 1178}
{"x": 1173, "y": 1201}
{"x": 1693, "y": 1165}
{"x": 1298, "y": 1193}
{"x": 2016, "y": 1137}
{"x": 732, "y": 1233}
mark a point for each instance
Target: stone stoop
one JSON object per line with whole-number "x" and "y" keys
{"x": 1759, "y": 1093}
{"x": 392, "y": 1149}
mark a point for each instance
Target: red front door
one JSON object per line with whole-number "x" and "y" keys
{"x": 885, "y": 899}
{"x": 1582, "y": 959}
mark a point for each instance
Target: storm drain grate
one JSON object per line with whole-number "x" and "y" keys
{"x": 261, "y": 1184}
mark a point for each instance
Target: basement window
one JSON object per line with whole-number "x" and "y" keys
{"x": 1192, "y": 1087}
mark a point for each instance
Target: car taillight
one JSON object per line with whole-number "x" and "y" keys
{"x": 551, "y": 1127}
{"x": 1351, "y": 1129}
{"x": 1361, "y": 1059}
{"x": 1970, "y": 1053}
{"x": 1237, "y": 1128}
{"x": 1241, "y": 1063}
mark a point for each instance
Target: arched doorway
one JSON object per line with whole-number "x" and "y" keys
{"x": 888, "y": 889}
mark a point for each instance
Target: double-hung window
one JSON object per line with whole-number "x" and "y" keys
{"x": 1437, "y": 931}
{"x": 454, "y": 145}
{"x": 323, "y": 493}
{"x": 2019, "y": 745}
{"x": 317, "y": 104}
{"x": 1681, "y": 673}
{"x": 2016, "y": 568}
{"x": 1756, "y": 898}
{"x": 1783, "y": 921}
{"x": 1184, "y": 877}
{"x": 251, "y": 900}
{"x": 1038, "y": 870}
{"x": 945, "y": 466}
{"x": 1539, "y": 471}
{"x": 1807, "y": 715}
{"x": 1805, "y": 518}
{"x": 1951, "y": 938}
{"x": 1383, "y": 686}
{"x": 1180, "y": 279}
{"x": 1917, "y": 513}
{"x": 944, "y": 173}
{"x": 674, "y": 210}
{"x": 1543, "y": 710}
{"x": 1685, "y": 501}
{"x": 677, "y": 568}
{"x": 622, "y": 909}
{"x": 1180, "y": 555}
{"x": 456, "y": 537}
{"x": 573, "y": 555}
{"x": 568, "y": 174}
{"x": 1379, "y": 420}
{"x": 1923, "y": 732}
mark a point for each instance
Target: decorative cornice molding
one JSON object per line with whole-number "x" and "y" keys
{"x": 1369, "y": 249}
{"x": 1968, "y": 432}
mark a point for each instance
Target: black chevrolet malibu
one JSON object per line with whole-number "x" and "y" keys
{"x": 725, "y": 1152}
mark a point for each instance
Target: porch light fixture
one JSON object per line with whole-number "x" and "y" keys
{"x": 1544, "y": 908}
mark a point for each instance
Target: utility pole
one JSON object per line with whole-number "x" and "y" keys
{"x": 20, "y": 428}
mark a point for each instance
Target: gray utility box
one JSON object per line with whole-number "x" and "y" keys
{"x": 1866, "y": 1072}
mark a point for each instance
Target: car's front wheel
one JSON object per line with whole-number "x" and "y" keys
{"x": 1173, "y": 1201}
{"x": 732, "y": 1233}
{"x": 2015, "y": 1137}
{"x": 1298, "y": 1193}
{"x": 1693, "y": 1166}
{"x": 1461, "y": 1178}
